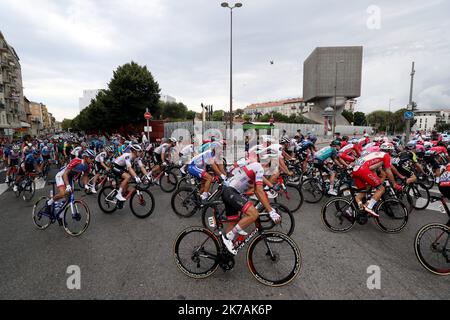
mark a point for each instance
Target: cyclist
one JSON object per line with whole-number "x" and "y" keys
{"x": 100, "y": 165}
{"x": 186, "y": 154}
{"x": 161, "y": 155}
{"x": 364, "y": 173}
{"x": 198, "y": 168}
{"x": 401, "y": 165}
{"x": 123, "y": 168}
{"x": 304, "y": 150}
{"x": 330, "y": 152}
{"x": 78, "y": 151}
{"x": 46, "y": 152}
{"x": 349, "y": 153}
{"x": 245, "y": 178}
{"x": 32, "y": 163}
{"x": 12, "y": 160}
{"x": 67, "y": 151}
{"x": 64, "y": 178}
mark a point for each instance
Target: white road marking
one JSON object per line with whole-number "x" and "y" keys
{"x": 3, "y": 188}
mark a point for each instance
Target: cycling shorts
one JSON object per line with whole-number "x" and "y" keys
{"x": 118, "y": 170}
{"x": 98, "y": 167}
{"x": 13, "y": 162}
{"x": 157, "y": 159}
{"x": 235, "y": 202}
{"x": 364, "y": 176}
{"x": 319, "y": 164}
{"x": 196, "y": 172}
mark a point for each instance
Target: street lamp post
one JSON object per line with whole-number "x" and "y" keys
{"x": 335, "y": 94}
{"x": 226, "y": 5}
{"x": 389, "y": 120}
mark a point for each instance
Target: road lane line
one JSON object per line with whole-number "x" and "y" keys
{"x": 3, "y": 188}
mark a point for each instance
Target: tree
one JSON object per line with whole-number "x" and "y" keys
{"x": 379, "y": 119}
{"x": 359, "y": 119}
{"x": 348, "y": 115}
{"x": 218, "y": 115}
{"x": 66, "y": 124}
{"x": 247, "y": 118}
{"x": 190, "y": 115}
{"x": 239, "y": 112}
{"x": 173, "y": 110}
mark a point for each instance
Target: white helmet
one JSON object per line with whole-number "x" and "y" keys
{"x": 387, "y": 146}
{"x": 136, "y": 147}
{"x": 173, "y": 140}
{"x": 428, "y": 145}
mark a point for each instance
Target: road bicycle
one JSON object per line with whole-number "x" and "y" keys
{"x": 432, "y": 243}
{"x": 273, "y": 258}
{"x": 290, "y": 195}
{"x": 105, "y": 179}
{"x": 75, "y": 218}
{"x": 142, "y": 202}
{"x": 12, "y": 176}
{"x": 26, "y": 186}
{"x": 340, "y": 214}
{"x": 166, "y": 179}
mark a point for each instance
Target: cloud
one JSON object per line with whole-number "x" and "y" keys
{"x": 71, "y": 45}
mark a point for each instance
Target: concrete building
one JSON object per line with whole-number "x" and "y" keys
{"x": 429, "y": 120}
{"x": 168, "y": 99}
{"x": 12, "y": 110}
{"x": 37, "y": 118}
{"x": 286, "y": 107}
{"x": 88, "y": 96}
{"x": 332, "y": 76}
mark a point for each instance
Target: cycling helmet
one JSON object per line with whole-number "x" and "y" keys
{"x": 335, "y": 143}
{"x": 109, "y": 149}
{"x": 136, "y": 147}
{"x": 285, "y": 141}
{"x": 345, "y": 138}
{"x": 173, "y": 140}
{"x": 88, "y": 154}
{"x": 410, "y": 146}
{"x": 312, "y": 138}
{"x": 387, "y": 147}
{"x": 395, "y": 139}
{"x": 428, "y": 145}
{"x": 83, "y": 145}
{"x": 16, "y": 148}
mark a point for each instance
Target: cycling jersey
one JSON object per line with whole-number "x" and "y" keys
{"x": 77, "y": 152}
{"x": 101, "y": 157}
{"x": 203, "y": 159}
{"x": 188, "y": 150}
{"x": 326, "y": 153}
{"x": 292, "y": 145}
{"x": 14, "y": 155}
{"x": 439, "y": 150}
{"x": 75, "y": 167}
{"x": 246, "y": 177}
{"x": 363, "y": 171}
{"x": 126, "y": 161}
{"x": 348, "y": 153}
{"x": 30, "y": 160}
{"x": 162, "y": 148}
{"x": 304, "y": 146}
{"x": 45, "y": 151}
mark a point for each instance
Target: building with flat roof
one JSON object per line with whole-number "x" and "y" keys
{"x": 286, "y": 107}
{"x": 88, "y": 96}
{"x": 430, "y": 120}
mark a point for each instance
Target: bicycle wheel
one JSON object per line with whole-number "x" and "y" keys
{"x": 287, "y": 225}
{"x": 196, "y": 252}
{"x": 184, "y": 202}
{"x": 29, "y": 190}
{"x": 432, "y": 248}
{"x": 393, "y": 215}
{"x": 274, "y": 263}
{"x": 142, "y": 203}
{"x": 418, "y": 196}
{"x": 292, "y": 197}
{"x": 41, "y": 217}
{"x": 186, "y": 181}
{"x": 177, "y": 172}
{"x": 312, "y": 190}
{"x": 76, "y": 218}
{"x": 338, "y": 214}
{"x": 107, "y": 200}
{"x": 168, "y": 182}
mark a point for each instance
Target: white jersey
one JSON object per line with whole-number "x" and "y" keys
{"x": 292, "y": 145}
{"x": 162, "y": 148}
{"x": 246, "y": 177}
{"x": 77, "y": 152}
{"x": 126, "y": 160}
{"x": 203, "y": 159}
{"x": 101, "y": 157}
{"x": 188, "y": 150}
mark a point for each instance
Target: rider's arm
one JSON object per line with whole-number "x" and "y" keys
{"x": 216, "y": 169}
{"x": 284, "y": 167}
{"x": 396, "y": 173}
{"x": 259, "y": 191}
{"x": 390, "y": 176}
{"x": 268, "y": 183}
{"x": 286, "y": 155}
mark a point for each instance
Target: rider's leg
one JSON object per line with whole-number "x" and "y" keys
{"x": 250, "y": 216}
{"x": 411, "y": 179}
{"x": 208, "y": 181}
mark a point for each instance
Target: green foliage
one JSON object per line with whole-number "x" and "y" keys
{"x": 66, "y": 124}
{"x": 218, "y": 115}
{"x": 190, "y": 115}
{"x": 172, "y": 111}
{"x": 348, "y": 115}
{"x": 247, "y": 117}
{"x": 359, "y": 119}
{"x": 443, "y": 127}
{"x": 384, "y": 120}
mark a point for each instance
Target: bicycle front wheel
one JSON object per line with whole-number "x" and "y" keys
{"x": 287, "y": 225}
{"x": 393, "y": 215}
{"x": 168, "y": 182}
{"x": 312, "y": 190}
{"x": 339, "y": 214}
{"x": 184, "y": 202}
{"x": 142, "y": 204}
{"x": 274, "y": 259}
{"x": 418, "y": 196}
{"x": 292, "y": 197}
{"x": 196, "y": 252}
{"x": 432, "y": 248}
{"x": 107, "y": 199}
{"x": 77, "y": 217}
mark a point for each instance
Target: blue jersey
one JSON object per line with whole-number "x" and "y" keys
{"x": 326, "y": 153}
{"x": 305, "y": 145}
{"x": 30, "y": 160}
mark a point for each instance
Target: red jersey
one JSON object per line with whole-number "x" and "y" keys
{"x": 373, "y": 161}
{"x": 439, "y": 150}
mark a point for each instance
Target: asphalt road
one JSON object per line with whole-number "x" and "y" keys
{"x": 122, "y": 257}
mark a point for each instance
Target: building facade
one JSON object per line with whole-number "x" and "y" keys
{"x": 88, "y": 96}
{"x": 288, "y": 107}
{"x": 168, "y": 99}
{"x": 13, "y": 116}
{"x": 429, "y": 120}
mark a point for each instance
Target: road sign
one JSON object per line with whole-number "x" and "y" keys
{"x": 148, "y": 129}
{"x": 147, "y": 115}
{"x": 409, "y": 115}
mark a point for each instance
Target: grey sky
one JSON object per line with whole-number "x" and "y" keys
{"x": 67, "y": 46}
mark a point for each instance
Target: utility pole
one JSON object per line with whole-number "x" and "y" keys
{"x": 410, "y": 105}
